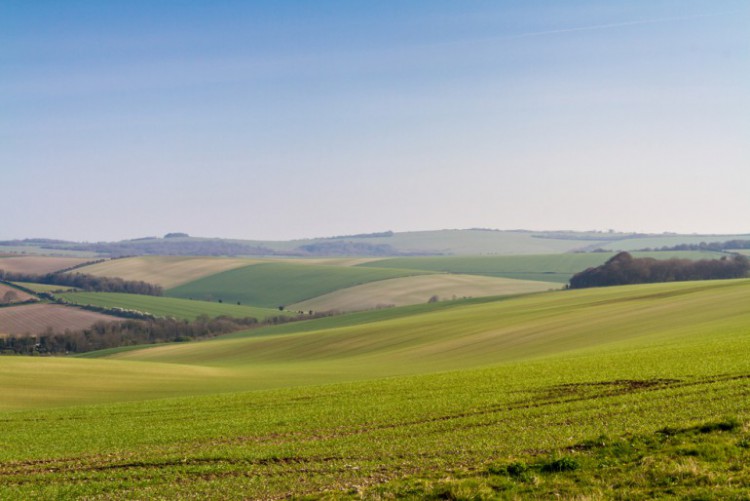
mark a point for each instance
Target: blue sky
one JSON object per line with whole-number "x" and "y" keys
{"x": 276, "y": 120}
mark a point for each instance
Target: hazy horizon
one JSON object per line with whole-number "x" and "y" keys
{"x": 287, "y": 120}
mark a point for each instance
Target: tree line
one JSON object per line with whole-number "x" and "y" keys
{"x": 103, "y": 335}
{"x": 705, "y": 246}
{"x": 85, "y": 282}
{"x": 624, "y": 269}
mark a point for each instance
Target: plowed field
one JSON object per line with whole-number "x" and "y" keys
{"x": 10, "y": 295}
{"x": 35, "y": 318}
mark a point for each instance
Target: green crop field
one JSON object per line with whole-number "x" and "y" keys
{"x": 419, "y": 289}
{"x": 167, "y": 306}
{"x": 44, "y": 287}
{"x": 274, "y": 284}
{"x": 623, "y": 392}
{"x": 545, "y": 268}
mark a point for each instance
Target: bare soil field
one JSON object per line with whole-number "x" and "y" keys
{"x": 35, "y": 318}
{"x": 9, "y": 295}
{"x": 39, "y": 264}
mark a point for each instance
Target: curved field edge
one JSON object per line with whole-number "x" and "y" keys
{"x": 419, "y": 289}
{"x": 387, "y": 435}
{"x": 485, "y": 333}
{"x": 274, "y": 284}
{"x": 166, "y": 306}
{"x": 166, "y": 271}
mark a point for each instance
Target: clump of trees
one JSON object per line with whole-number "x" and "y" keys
{"x": 625, "y": 269}
{"x": 86, "y": 282}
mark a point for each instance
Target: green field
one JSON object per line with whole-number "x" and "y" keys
{"x": 275, "y": 284}
{"x": 44, "y": 287}
{"x": 629, "y": 392}
{"x": 167, "y": 306}
{"x": 546, "y": 268}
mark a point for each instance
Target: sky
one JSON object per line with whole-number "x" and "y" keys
{"x": 292, "y": 119}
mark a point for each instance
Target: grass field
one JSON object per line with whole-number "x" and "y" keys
{"x": 628, "y": 392}
{"x": 419, "y": 289}
{"x": 483, "y": 333}
{"x": 167, "y": 306}
{"x": 36, "y": 318}
{"x": 167, "y": 271}
{"x": 39, "y": 264}
{"x": 546, "y": 268}
{"x": 274, "y": 284}
{"x": 44, "y": 287}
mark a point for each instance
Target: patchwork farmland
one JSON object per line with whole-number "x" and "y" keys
{"x": 38, "y": 318}
{"x": 473, "y": 389}
{"x": 167, "y": 271}
{"x": 9, "y": 295}
{"x": 167, "y": 306}
{"x": 273, "y": 284}
{"x": 479, "y": 397}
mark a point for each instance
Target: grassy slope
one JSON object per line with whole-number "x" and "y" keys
{"x": 168, "y": 306}
{"x": 275, "y": 283}
{"x": 547, "y": 267}
{"x": 668, "y": 241}
{"x": 411, "y": 436}
{"x": 167, "y": 271}
{"x": 414, "y": 290}
{"x": 481, "y": 334}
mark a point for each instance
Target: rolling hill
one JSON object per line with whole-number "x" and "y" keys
{"x": 387, "y": 243}
{"x": 436, "y": 400}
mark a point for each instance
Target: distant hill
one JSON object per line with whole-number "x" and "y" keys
{"x": 475, "y": 241}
